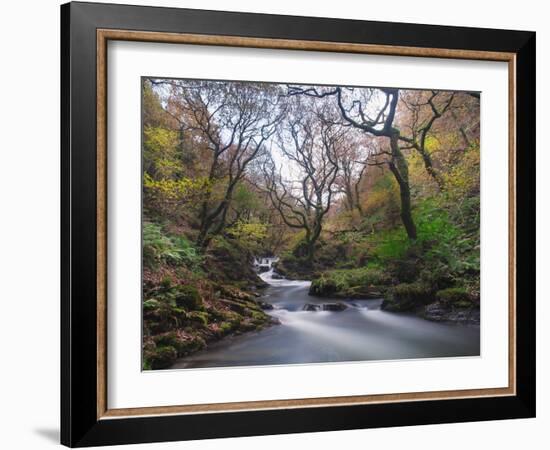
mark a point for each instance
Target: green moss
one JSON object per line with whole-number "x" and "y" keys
{"x": 257, "y": 315}
{"x": 188, "y": 297}
{"x": 462, "y": 304}
{"x": 226, "y": 327}
{"x": 182, "y": 344}
{"x": 350, "y": 282}
{"x": 455, "y": 296}
{"x": 161, "y": 358}
{"x": 200, "y": 317}
{"x": 407, "y": 297}
{"x": 166, "y": 339}
{"x": 188, "y": 346}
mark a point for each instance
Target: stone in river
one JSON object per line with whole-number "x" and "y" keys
{"x": 334, "y": 306}
{"x": 311, "y": 307}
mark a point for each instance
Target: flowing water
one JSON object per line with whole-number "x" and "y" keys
{"x": 361, "y": 332}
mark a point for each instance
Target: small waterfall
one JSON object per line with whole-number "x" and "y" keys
{"x": 264, "y": 267}
{"x": 265, "y": 264}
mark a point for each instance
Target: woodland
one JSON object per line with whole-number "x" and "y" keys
{"x": 367, "y": 192}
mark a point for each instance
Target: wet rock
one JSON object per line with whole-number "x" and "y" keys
{"x": 435, "y": 312}
{"x": 265, "y": 306}
{"x": 276, "y": 276}
{"x": 407, "y": 297}
{"x": 334, "y": 306}
{"x": 311, "y": 307}
{"x": 439, "y": 312}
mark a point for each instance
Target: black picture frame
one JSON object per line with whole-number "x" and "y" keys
{"x": 80, "y": 425}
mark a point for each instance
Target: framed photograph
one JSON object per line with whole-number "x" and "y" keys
{"x": 276, "y": 224}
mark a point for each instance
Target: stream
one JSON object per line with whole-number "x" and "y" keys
{"x": 361, "y": 332}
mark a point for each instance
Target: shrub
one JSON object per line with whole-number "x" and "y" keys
{"x": 159, "y": 247}
{"x": 150, "y": 305}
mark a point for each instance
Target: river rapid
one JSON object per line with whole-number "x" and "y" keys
{"x": 361, "y": 332}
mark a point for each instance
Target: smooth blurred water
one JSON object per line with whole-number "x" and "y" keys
{"x": 362, "y": 332}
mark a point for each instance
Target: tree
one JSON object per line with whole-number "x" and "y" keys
{"x": 235, "y": 120}
{"x": 373, "y": 111}
{"x": 422, "y": 122}
{"x": 353, "y": 160}
{"x": 304, "y": 195}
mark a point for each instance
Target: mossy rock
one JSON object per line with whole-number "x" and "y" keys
{"x": 188, "y": 346}
{"x": 198, "y": 317}
{"x": 235, "y": 293}
{"x": 182, "y": 344}
{"x": 247, "y": 325}
{"x": 364, "y": 292}
{"x": 226, "y": 327}
{"x": 362, "y": 282}
{"x": 257, "y": 315}
{"x": 235, "y": 305}
{"x": 188, "y": 297}
{"x": 323, "y": 287}
{"x": 407, "y": 297}
{"x": 169, "y": 339}
{"x": 161, "y": 358}
{"x": 454, "y": 297}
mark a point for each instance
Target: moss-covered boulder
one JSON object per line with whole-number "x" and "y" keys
{"x": 407, "y": 297}
{"x": 454, "y": 297}
{"x": 188, "y": 297}
{"x": 453, "y": 304}
{"x": 184, "y": 344}
{"x": 323, "y": 287}
{"x": 359, "y": 283}
{"x": 161, "y": 357}
{"x": 198, "y": 317}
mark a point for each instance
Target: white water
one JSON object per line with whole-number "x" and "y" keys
{"x": 359, "y": 333}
